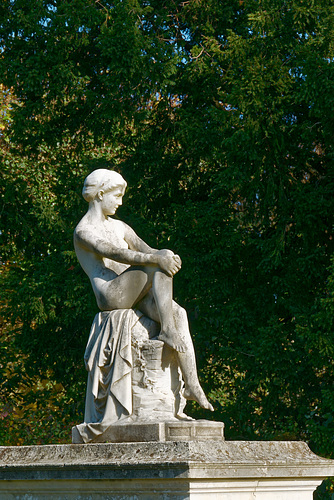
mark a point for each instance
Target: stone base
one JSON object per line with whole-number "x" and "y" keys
{"x": 159, "y": 489}
{"x": 213, "y": 470}
{"x": 176, "y": 430}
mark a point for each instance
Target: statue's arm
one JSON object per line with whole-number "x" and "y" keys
{"x": 136, "y": 243}
{"x": 91, "y": 241}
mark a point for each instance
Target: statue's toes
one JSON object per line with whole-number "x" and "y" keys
{"x": 180, "y": 348}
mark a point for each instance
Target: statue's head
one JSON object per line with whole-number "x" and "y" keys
{"x": 102, "y": 180}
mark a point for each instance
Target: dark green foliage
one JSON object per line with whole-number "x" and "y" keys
{"x": 220, "y": 117}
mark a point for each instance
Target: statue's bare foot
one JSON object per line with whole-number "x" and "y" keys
{"x": 198, "y": 395}
{"x": 173, "y": 340}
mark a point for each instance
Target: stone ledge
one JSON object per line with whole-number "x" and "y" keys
{"x": 187, "y": 459}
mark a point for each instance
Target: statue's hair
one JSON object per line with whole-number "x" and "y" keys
{"x": 101, "y": 179}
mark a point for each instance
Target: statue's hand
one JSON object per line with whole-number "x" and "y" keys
{"x": 169, "y": 262}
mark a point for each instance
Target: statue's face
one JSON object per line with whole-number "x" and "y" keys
{"x": 111, "y": 200}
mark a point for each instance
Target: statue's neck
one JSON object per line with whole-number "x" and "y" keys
{"x": 95, "y": 212}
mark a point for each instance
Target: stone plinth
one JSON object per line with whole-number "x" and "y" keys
{"x": 224, "y": 470}
{"x": 176, "y": 430}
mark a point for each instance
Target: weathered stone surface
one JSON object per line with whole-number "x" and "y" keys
{"x": 221, "y": 459}
{"x": 212, "y": 470}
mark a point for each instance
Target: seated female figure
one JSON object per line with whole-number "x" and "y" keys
{"x": 126, "y": 273}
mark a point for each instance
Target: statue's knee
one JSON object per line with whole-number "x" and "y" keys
{"x": 166, "y": 252}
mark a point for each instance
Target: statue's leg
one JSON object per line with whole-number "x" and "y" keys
{"x": 130, "y": 287}
{"x": 162, "y": 290}
{"x": 186, "y": 359}
{"x": 125, "y": 290}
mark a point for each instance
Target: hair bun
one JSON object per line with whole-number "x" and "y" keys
{"x": 101, "y": 179}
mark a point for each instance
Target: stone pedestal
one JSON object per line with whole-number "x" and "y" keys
{"x": 170, "y": 470}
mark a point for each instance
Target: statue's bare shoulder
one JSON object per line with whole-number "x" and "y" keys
{"x": 90, "y": 233}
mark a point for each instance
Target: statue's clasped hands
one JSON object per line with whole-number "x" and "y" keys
{"x": 169, "y": 262}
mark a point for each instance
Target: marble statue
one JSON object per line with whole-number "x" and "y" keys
{"x": 132, "y": 283}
